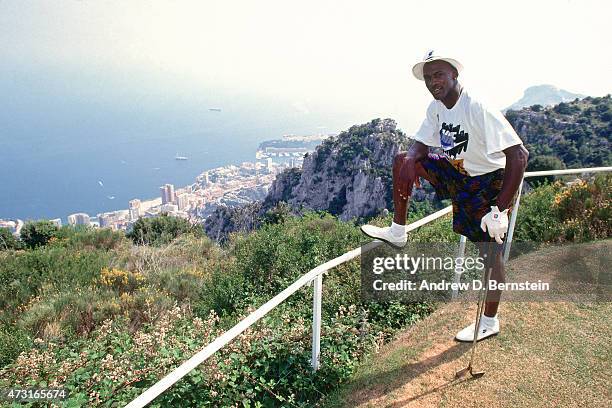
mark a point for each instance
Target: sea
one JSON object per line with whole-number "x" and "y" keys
{"x": 66, "y": 148}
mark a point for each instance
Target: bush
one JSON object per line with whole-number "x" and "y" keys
{"x": 542, "y": 163}
{"x": 161, "y": 230}
{"x": 536, "y": 222}
{"x": 12, "y": 342}
{"x": 578, "y": 212}
{"x": 38, "y": 233}
{"x": 276, "y": 254}
{"x": 24, "y": 274}
{"x": 7, "y": 240}
{"x": 585, "y": 209}
{"x": 87, "y": 238}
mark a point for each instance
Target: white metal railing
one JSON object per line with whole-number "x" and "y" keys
{"x": 316, "y": 275}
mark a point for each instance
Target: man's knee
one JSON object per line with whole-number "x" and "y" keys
{"x": 398, "y": 160}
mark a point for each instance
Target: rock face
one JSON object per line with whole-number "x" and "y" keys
{"x": 225, "y": 220}
{"x": 348, "y": 175}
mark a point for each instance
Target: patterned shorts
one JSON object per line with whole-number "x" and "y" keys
{"x": 472, "y": 197}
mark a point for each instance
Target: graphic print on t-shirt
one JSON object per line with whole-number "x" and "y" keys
{"x": 453, "y": 139}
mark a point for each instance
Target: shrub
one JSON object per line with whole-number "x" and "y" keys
{"x": 578, "y": 212}
{"x": 87, "y": 238}
{"x": 536, "y": 222}
{"x": 273, "y": 256}
{"x": 12, "y": 342}
{"x": 585, "y": 209}
{"x": 7, "y": 240}
{"x": 37, "y": 233}
{"x": 161, "y": 230}
{"x": 541, "y": 163}
{"x": 120, "y": 280}
{"x": 24, "y": 274}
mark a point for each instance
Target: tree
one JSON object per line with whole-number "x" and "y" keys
{"x": 542, "y": 163}
{"x": 37, "y": 233}
{"x": 277, "y": 214}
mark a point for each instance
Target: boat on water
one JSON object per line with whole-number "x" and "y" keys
{"x": 177, "y": 157}
{"x": 214, "y": 109}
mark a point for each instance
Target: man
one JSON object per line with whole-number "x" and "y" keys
{"x": 480, "y": 171}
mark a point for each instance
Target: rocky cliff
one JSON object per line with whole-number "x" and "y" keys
{"x": 348, "y": 175}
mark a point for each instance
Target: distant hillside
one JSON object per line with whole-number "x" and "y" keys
{"x": 544, "y": 95}
{"x": 578, "y": 133}
{"x": 307, "y": 143}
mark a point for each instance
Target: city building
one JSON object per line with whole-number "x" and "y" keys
{"x": 168, "y": 208}
{"x": 167, "y": 193}
{"x": 182, "y": 200}
{"x": 106, "y": 220}
{"x": 78, "y": 219}
{"x": 134, "y": 209}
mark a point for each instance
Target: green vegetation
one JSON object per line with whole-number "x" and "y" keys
{"x": 106, "y": 318}
{"x": 7, "y": 240}
{"x": 161, "y": 230}
{"x": 578, "y": 133}
{"x": 578, "y": 212}
{"x": 542, "y": 163}
{"x": 93, "y": 312}
{"x": 37, "y": 233}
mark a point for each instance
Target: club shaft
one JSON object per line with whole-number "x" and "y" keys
{"x": 482, "y": 299}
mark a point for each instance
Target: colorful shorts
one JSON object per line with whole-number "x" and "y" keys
{"x": 472, "y": 197}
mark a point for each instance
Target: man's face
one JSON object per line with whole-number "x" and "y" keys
{"x": 439, "y": 78}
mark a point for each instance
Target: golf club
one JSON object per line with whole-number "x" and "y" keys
{"x": 479, "y": 309}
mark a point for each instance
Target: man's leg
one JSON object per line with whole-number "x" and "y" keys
{"x": 436, "y": 169}
{"x": 498, "y": 275}
{"x": 402, "y": 188}
{"x": 471, "y": 210}
{"x": 489, "y": 323}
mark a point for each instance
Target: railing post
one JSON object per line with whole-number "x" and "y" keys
{"x": 513, "y": 216}
{"x": 460, "y": 254}
{"x": 317, "y": 294}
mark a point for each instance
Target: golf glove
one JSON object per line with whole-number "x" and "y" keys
{"x": 496, "y": 223}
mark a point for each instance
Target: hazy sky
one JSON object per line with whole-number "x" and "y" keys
{"x": 345, "y": 56}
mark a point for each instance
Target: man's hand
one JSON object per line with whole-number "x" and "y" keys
{"x": 496, "y": 222}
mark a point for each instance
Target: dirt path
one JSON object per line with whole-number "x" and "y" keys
{"x": 547, "y": 354}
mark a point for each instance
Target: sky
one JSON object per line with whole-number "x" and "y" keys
{"x": 349, "y": 57}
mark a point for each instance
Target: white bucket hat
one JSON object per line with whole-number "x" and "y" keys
{"x": 432, "y": 55}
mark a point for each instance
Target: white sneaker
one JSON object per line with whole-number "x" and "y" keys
{"x": 489, "y": 326}
{"x": 385, "y": 234}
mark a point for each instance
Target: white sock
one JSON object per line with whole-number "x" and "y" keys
{"x": 488, "y": 321}
{"x": 398, "y": 230}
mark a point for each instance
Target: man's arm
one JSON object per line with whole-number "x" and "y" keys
{"x": 516, "y": 163}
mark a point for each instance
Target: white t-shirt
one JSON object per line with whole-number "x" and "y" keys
{"x": 471, "y": 135}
